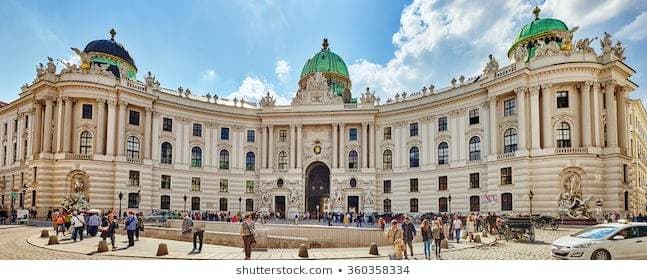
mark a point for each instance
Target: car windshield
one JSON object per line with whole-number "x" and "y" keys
{"x": 595, "y": 232}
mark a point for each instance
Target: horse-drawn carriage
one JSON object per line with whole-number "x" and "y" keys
{"x": 517, "y": 228}
{"x": 542, "y": 222}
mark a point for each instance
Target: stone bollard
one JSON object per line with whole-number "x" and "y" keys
{"x": 162, "y": 250}
{"x": 444, "y": 244}
{"x": 303, "y": 251}
{"x": 373, "y": 250}
{"x": 53, "y": 240}
{"x": 44, "y": 234}
{"x": 103, "y": 246}
{"x": 485, "y": 233}
{"x": 477, "y": 238}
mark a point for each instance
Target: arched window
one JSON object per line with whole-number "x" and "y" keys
{"x": 249, "y": 205}
{"x": 506, "y": 202}
{"x": 413, "y": 205}
{"x": 442, "y": 204}
{"x": 510, "y": 140}
{"x": 85, "y": 148}
{"x": 132, "y": 147}
{"x": 563, "y": 135}
{"x": 196, "y": 157}
{"x": 165, "y": 202}
{"x": 475, "y": 148}
{"x": 167, "y": 153}
{"x": 387, "y": 206}
{"x": 250, "y": 161}
{"x": 387, "y": 160}
{"x": 353, "y": 160}
{"x": 223, "y": 204}
{"x": 443, "y": 153}
{"x": 283, "y": 160}
{"x": 414, "y": 157}
{"x": 475, "y": 203}
{"x": 224, "y": 159}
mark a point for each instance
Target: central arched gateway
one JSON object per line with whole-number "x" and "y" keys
{"x": 317, "y": 187}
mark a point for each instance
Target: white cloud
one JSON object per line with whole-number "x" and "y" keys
{"x": 72, "y": 59}
{"x": 253, "y": 89}
{"x": 585, "y": 12}
{"x": 282, "y": 71}
{"x": 636, "y": 30}
{"x": 209, "y": 75}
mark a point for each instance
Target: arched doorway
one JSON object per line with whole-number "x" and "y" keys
{"x": 317, "y": 187}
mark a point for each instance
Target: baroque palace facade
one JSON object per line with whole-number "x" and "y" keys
{"x": 554, "y": 130}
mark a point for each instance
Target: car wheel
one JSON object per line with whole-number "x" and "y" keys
{"x": 601, "y": 254}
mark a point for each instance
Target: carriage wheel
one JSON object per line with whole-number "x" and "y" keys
{"x": 541, "y": 225}
{"x": 554, "y": 225}
{"x": 531, "y": 236}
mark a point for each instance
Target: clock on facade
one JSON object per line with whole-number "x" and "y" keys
{"x": 317, "y": 149}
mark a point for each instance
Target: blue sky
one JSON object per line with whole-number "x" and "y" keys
{"x": 245, "y": 48}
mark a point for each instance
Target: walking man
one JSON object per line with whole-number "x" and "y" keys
{"x": 247, "y": 232}
{"x": 78, "y": 222}
{"x": 394, "y": 235}
{"x": 408, "y": 232}
{"x": 131, "y": 227}
{"x": 197, "y": 228}
{"x": 93, "y": 224}
{"x": 457, "y": 224}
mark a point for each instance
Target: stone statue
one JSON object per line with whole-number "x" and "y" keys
{"x": 606, "y": 43}
{"x": 235, "y": 101}
{"x": 461, "y": 79}
{"x": 266, "y": 195}
{"x": 267, "y": 100}
{"x": 491, "y": 67}
{"x": 520, "y": 54}
{"x": 51, "y": 67}
{"x": 85, "y": 59}
{"x": 336, "y": 197}
{"x": 150, "y": 79}
{"x": 294, "y": 197}
{"x": 584, "y": 45}
{"x": 40, "y": 70}
{"x": 100, "y": 69}
{"x": 123, "y": 74}
{"x": 431, "y": 88}
{"x": 78, "y": 186}
{"x": 571, "y": 203}
{"x": 369, "y": 199}
{"x": 69, "y": 67}
{"x": 368, "y": 97}
{"x": 187, "y": 93}
{"x": 317, "y": 83}
{"x": 316, "y": 91}
{"x": 180, "y": 91}
{"x": 619, "y": 51}
{"x": 567, "y": 41}
{"x": 453, "y": 82}
{"x": 208, "y": 96}
{"x": 549, "y": 49}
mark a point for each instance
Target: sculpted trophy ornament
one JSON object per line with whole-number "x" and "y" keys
{"x": 369, "y": 199}
{"x": 266, "y": 195}
{"x": 51, "y": 67}
{"x": 606, "y": 44}
{"x": 85, "y": 59}
{"x": 571, "y": 202}
{"x": 520, "y": 54}
{"x": 549, "y": 49}
{"x": 267, "y": 100}
{"x": 619, "y": 51}
{"x": 584, "y": 45}
{"x": 150, "y": 80}
{"x": 491, "y": 67}
{"x": 316, "y": 91}
{"x": 100, "y": 69}
{"x": 69, "y": 67}
{"x": 368, "y": 97}
{"x": 294, "y": 198}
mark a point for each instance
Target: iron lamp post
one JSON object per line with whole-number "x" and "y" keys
{"x": 449, "y": 199}
{"x": 121, "y": 196}
{"x": 530, "y": 196}
{"x": 185, "y": 203}
{"x": 240, "y": 206}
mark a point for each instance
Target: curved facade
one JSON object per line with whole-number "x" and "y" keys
{"x": 513, "y": 139}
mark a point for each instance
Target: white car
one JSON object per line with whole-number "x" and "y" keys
{"x": 620, "y": 240}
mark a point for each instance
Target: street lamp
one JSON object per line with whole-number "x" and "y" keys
{"x": 139, "y": 199}
{"x": 121, "y": 196}
{"x": 317, "y": 212}
{"x": 240, "y": 206}
{"x": 450, "y": 203}
{"x": 531, "y": 195}
{"x": 185, "y": 203}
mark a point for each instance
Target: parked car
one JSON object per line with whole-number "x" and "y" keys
{"x": 622, "y": 240}
{"x": 158, "y": 217}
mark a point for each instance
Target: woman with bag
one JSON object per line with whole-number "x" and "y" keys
{"x": 438, "y": 235}
{"x": 247, "y": 232}
{"x": 395, "y": 235}
{"x": 425, "y": 231}
{"x": 470, "y": 226}
{"x": 108, "y": 227}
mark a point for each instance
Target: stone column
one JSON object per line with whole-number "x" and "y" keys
{"x": 270, "y": 150}
{"x": 612, "y": 117}
{"x": 299, "y": 145}
{"x": 111, "y": 130}
{"x": 597, "y": 106}
{"x": 546, "y": 102}
{"x": 67, "y": 125}
{"x": 47, "y": 132}
{"x": 432, "y": 140}
{"x": 364, "y": 145}
{"x": 622, "y": 118}
{"x": 37, "y": 128}
{"x": 521, "y": 118}
{"x": 155, "y": 148}
{"x": 535, "y": 140}
{"x": 121, "y": 131}
{"x": 58, "y": 125}
{"x": 371, "y": 145}
{"x": 147, "y": 133}
{"x": 185, "y": 149}
{"x": 263, "y": 155}
{"x": 585, "y": 118}
{"x": 462, "y": 143}
{"x": 494, "y": 127}
{"x": 404, "y": 133}
{"x": 19, "y": 146}
{"x": 335, "y": 153}
{"x": 342, "y": 150}
{"x": 101, "y": 126}
{"x": 395, "y": 157}
{"x": 292, "y": 146}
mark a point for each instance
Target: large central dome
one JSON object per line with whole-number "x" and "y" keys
{"x": 112, "y": 53}
{"x": 333, "y": 68}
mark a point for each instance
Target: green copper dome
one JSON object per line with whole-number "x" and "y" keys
{"x": 325, "y": 61}
{"x": 538, "y": 28}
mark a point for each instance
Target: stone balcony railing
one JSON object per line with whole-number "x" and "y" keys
{"x": 506, "y": 155}
{"x": 506, "y": 70}
{"x": 571, "y": 150}
{"x": 135, "y": 160}
{"x": 78, "y": 156}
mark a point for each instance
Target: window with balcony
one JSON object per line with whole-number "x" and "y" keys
{"x": 167, "y": 153}
{"x": 443, "y": 153}
{"x": 387, "y": 160}
{"x": 414, "y": 157}
{"x": 196, "y": 157}
{"x": 475, "y": 148}
{"x": 224, "y": 159}
{"x": 250, "y": 161}
{"x": 132, "y": 147}
{"x": 563, "y": 135}
{"x": 353, "y": 160}
{"x": 510, "y": 140}
{"x": 85, "y": 146}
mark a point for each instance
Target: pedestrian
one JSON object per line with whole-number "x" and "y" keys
{"x": 470, "y": 226}
{"x": 93, "y": 224}
{"x": 408, "y": 232}
{"x": 60, "y": 224}
{"x": 131, "y": 228}
{"x": 381, "y": 223}
{"x": 394, "y": 235}
{"x": 425, "y": 231}
{"x": 78, "y": 222}
{"x": 108, "y": 227}
{"x": 346, "y": 219}
{"x": 140, "y": 225}
{"x": 248, "y": 232}
{"x": 457, "y": 224}
{"x": 198, "y": 233}
{"x": 437, "y": 235}
{"x": 49, "y": 215}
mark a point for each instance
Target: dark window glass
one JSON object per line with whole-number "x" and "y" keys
{"x": 223, "y": 204}
{"x": 510, "y": 140}
{"x": 166, "y": 182}
{"x": 443, "y": 153}
{"x": 475, "y": 148}
{"x": 197, "y": 130}
{"x": 167, "y": 124}
{"x": 387, "y": 186}
{"x": 87, "y": 111}
{"x": 413, "y": 205}
{"x": 506, "y": 202}
{"x": 562, "y": 99}
{"x": 509, "y": 107}
{"x": 249, "y": 205}
{"x": 133, "y": 200}
{"x": 413, "y": 185}
{"x": 474, "y": 116}
{"x": 352, "y": 134}
{"x": 353, "y": 182}
{"x": 387, "y": 133}
{"x": 387, "y": 206}
{"x": 133, "y": 178}
{"x": 442, "y": 204}
{"x": 506, "y": 176}
{"x": 474, "y": 180}
{"x": 283, "y": 135}
{"x": 224, "y": 159}
{"x": 196, "y": 157}
{"x": 167, "y": 153}
{"x": 85, "y": 147}
{"x": 387, "y": 160}
{"x": 165, "y": 202}
{"x": 475, "y": 203}
{"x": 250, "y": 161}
{"x": 414, "y": 157}
{"x": 442, "y": 124}
{"x": 563, "y": 135}
{"x": 224, "y": 133}
{"x": 442, "y": 183}
{"x": 133, "y": 117}
{"x": 353, "y": 160}
{"x": 251, "y": 136}
{"x": 195, "y": 203}
{"x": 283, "y": 160}
{"x": 413, "y": 129}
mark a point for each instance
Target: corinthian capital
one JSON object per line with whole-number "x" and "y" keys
{"x": 520, "y": 90}
{"x": 588, "y": 83}
{"x": 534, "y": 90}
{"x": 546, "y": 86}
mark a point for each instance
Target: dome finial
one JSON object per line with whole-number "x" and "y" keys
{"x": 536, "y": 11}
{"x": 112, "y": 34}
{"x": 325, "y": 44}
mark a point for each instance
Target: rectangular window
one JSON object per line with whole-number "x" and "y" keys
{"x": 167, "y": 124}
{"x": 15, "y": 125}
{"x": 87, "y": 111}
{"x": 195, "y": 184}
{"x": 224, "y": 185}
{"x": 442, "y": 124}
{"x": 413, "y": 129}
{"x": 506, "y": 176}
{"x": 474, "y": 116}
{"x": 474, "y": 181}
{"x": 5, "y": 129}
{"x": 562, "y": 99}
{"x": 165, "y": 202}
{"x": 283, "y": 135}
{"x": 133, "y": 178}
{"x": 197, "y": 130}
{"x": 133, "y": 117}
{"x": 625, "y": 173}
{"x": 249, "y": 186}
{"x": 166, "y": 182}
{"x": 442, "y": 183}
{"x": 413, "y": 185}
{"x": 352, "y": 134}
{"x": 387, "y": 186}
{"x": 387, "y": 133}
{"x": 15, "y": 149}
{"x": 509, "y": 107}
{"x": 251, "y": 136}
{"x": 413, "y": 205}
{"x": 224, "y": 133}
{"x": 133, "y": 200}
{"x": 195, "y": 203}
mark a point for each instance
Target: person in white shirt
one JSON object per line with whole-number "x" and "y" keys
{"x": 457, "y": 224}
{"x": 78, "y": 223}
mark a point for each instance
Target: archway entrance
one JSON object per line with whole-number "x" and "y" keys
{"x": 317, "y": 187}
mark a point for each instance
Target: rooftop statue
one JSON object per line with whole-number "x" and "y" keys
{"x": 51, "y": 67}
{"x": 491, "y": 67}
{"x": 606, "y": 43}
{"x": 40, "y": 70}
{"x": 85, "y": 59}
{"x": 619, "y": 51}
{"x": 267, "y": 100}
{"x": 69, "y": 67}
{"x": 150, "y": 79}
{"x": 520, "y": 54}
{"x": 584, "y": 45}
